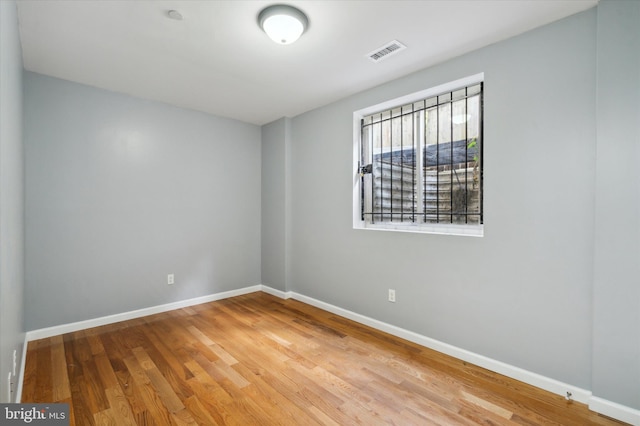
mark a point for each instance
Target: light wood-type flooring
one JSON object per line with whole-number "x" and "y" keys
{"x": 259, "y": 360}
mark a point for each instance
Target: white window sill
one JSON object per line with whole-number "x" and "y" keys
{"x": 459, "y": 230}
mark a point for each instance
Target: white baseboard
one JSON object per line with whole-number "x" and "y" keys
{"x": 599, "y": 405}
{"x": 110, "y": 319}
{"x": 21, "y": 372}
{"x": 615, "y": 410}
{"x": 548, "y": 384}
{"x": 584, "y": 396}
{"x": 278, "y": 293}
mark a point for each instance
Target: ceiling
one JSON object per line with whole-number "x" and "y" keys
{"x": 219, "y": 61}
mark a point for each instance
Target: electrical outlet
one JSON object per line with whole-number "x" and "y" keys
{"x": 392, "y": 295}
{"x": 9, "y": 387}
{"x": 15, "y": 362}
{"x": 170, "y": 279}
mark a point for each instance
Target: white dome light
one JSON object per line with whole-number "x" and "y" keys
{"x": 283, "y": 24}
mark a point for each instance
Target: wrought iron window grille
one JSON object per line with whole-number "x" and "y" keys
{"x": 442, "y": 185}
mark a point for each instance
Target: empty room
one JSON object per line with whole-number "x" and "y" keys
{"x": 319, "y": 212}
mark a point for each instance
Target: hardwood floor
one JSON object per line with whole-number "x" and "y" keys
{"x": 259, "y": 360}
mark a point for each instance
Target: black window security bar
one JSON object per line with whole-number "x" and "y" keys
{"x": 441, "y": 185}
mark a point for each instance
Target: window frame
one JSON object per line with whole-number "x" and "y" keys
{"x": 476, "y": 230}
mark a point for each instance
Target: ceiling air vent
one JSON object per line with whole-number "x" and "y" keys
{"x": 385, "y": 51}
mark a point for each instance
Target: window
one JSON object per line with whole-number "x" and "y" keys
{"x": 438, "y": 190}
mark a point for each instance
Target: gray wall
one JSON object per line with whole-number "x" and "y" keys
{"x": 11, "y": 195}
{"x": 523, "y": 294}
{"x": 616, "y": 307}
{"x": 274, "y": 213}
{"x": 121, "y": 192}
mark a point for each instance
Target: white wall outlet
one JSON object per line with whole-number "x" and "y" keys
{"x": 392, "y": 295}
{"x": 170, "y": 279}
{"x": 15, "y": 362}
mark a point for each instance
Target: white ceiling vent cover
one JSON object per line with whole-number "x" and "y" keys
{"x": 385, "y": 51}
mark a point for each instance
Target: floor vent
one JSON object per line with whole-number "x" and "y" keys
{"x": 385, "y": 51}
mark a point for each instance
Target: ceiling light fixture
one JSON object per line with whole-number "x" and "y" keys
{"x": 283, "y": 24}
